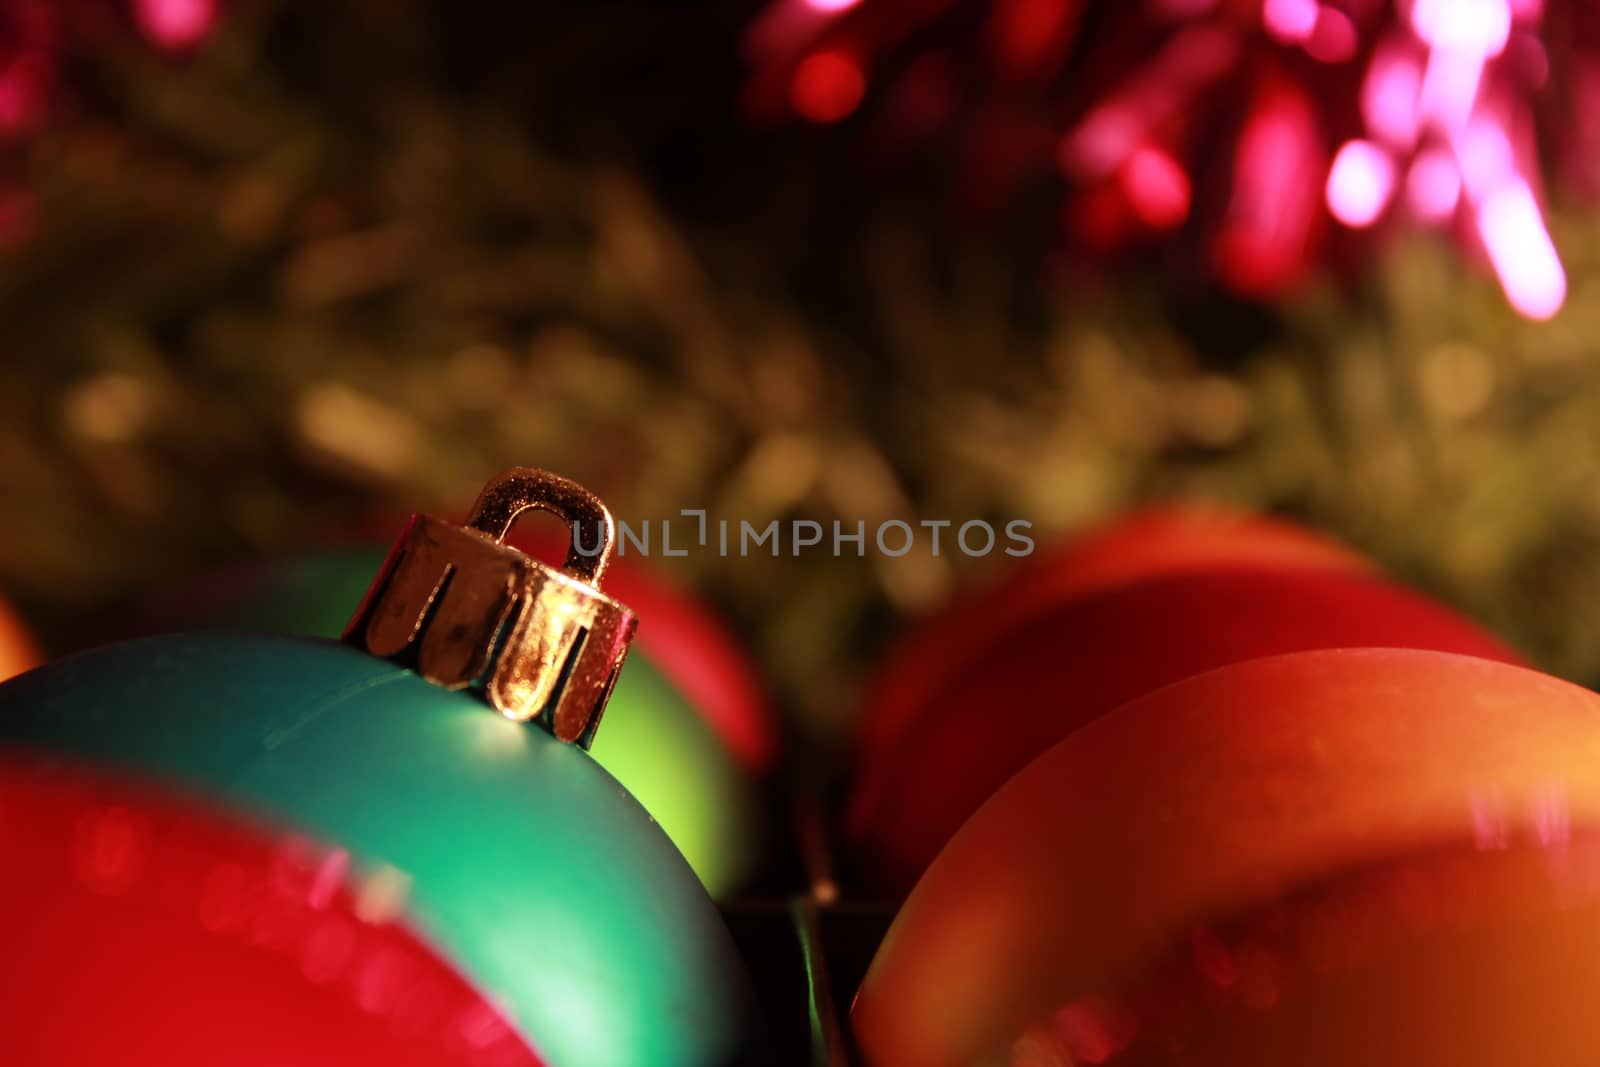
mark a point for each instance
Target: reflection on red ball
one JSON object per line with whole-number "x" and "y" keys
{"x": 141, "y": 929}
{"x": 1173, "y": 539}
{"x": 1093, "y": 653}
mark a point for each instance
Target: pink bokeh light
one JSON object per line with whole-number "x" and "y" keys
{"x": 1390, "y": 92}
{"x": 1290, "y": 21}
{"x": 1157, "y": 188}
{"x": 1334, "y": 38}
{"x": 1027, "y": 38}
{"x": 1475, "y": 27}
{"x": 1445, "y": 94}
{"x": 827, "y": 86}
{"x": 1433, "y": 185}
{"x": 1521, "y": 251}
{"x": 1483, "y": 152}
{"x": 1463, "y": 35}
{"x": 1103, "y": 141}
{"x": 1450, "y": 87}
{"x": 1360, "y": 183}
{"x": 1272, "y": 209}
{"x": 23, "y": 87}
{"x": 175, "y": 23}
{"x": 1115, "y": 128}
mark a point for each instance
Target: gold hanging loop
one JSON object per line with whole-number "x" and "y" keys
{"x": 468, "y": 611}
{"x": 522, "y": 489}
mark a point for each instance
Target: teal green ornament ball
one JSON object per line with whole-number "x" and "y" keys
{"x": 652, "y": 740}
{"x": 528, "y": 866}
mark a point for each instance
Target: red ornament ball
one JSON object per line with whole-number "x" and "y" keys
{"x": 1090, "y": 655}
{"x": 1166, "y": 540}
{"x": 142, "y": 928}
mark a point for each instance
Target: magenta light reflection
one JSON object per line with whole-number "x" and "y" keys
{"x": 1360, "y": 183}
{"x": 1271, "y": 211}
{"x": 1422, "y": 101}
{"x": 787, "y": 27}
{"x": 1478, "y": 27}
{"x": 1521, "y": 251}
{"x": 1463, "y": 35}
{"x": 1450, "y": 87}
{"x": 1334, "y": 38}
{"x": 1444, "y": 87}
{"x": 1390, "y": 92}
{"x": 176, "y": 23}
{"x": 1433, "y": 186}
{"x": 1290, "y": 21}
{"x": 1104, "y": 140}
{"x": 1115, "y": 129}
{"x": 1157, "y": 187}
{"x": 1483, "y": 152}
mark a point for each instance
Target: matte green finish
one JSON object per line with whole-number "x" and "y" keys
{"x": 651, "y": 739}
{"x": 531, "y": 868}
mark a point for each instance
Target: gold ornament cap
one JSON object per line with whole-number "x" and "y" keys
{"x": 468, "y": 611}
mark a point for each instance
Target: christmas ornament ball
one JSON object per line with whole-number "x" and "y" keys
{"x": 140, "y": 927}
{"x": 689, "y": 767}
{"x": 1044, "y": 916}
{"x": 1097, "y": 651}
{"x": 18, "y": 651}
{"x": 1153, "y": 542}
{"x": 530, "y": 868}
{"x": 1471, "y": 953}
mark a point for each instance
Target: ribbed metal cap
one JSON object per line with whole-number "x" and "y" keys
{"x": 468, "y": 611}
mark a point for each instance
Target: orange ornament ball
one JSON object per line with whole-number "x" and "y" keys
{"x": 1309, "y": 835}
